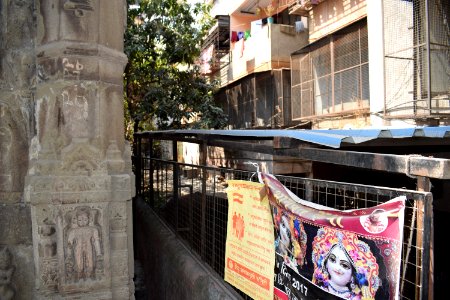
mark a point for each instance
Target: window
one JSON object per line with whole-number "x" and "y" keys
{"x": 332, "y": 75}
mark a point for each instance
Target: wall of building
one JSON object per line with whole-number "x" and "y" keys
{"x": 269, "y": 47}
{"x": 65, "y": 168}
{"x": 170, "y": 270}
{"x": 284, "y": 40}
{"x": 332, "y": 15}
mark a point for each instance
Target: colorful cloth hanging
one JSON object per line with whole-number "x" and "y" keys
{"x": 299, "y": 26}
{"x": 234, "y": 36}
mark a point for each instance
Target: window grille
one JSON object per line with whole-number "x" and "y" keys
{"x": 251, "y": 102}
{"x": 417, "y": 58}
{"x": 332, "y": 75}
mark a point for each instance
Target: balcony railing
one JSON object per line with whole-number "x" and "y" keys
{"x": 268, "y": 47}
{"x": 302, "y": 7}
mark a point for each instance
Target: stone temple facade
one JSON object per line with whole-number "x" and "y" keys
{"x": 65, "y": 168}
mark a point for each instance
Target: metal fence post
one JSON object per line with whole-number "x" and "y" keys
{"x": 424, "y": 222}
{"x": 151, "y": 170}
{"x": 138, "y": 163}
{"x": 175, "y": 179}
{"x": 203, "y": 157}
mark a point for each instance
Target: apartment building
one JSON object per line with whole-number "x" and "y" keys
{"x": 252, "y": 43}
{"x": 331, "y": 63}
{"x": 343, "y": 65}
{"x": 372, "y": 64}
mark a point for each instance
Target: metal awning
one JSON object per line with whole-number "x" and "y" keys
{"x": 333, "y": 138}
{"x": 333, "y": 146}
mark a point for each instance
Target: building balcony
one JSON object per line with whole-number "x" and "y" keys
{"x": 302, "y": 7}
{"x": 267, "y": 47}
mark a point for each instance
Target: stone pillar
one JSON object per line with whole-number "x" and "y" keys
{"x": 79, "y": 182}
{"x": 17, "y": 61}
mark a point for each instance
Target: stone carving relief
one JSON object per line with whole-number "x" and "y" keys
{"x": 77, "y": 20}
{"x": 49, "y": 274}
{"x": 49, "y": 12}
{"x": 51, "y": 135}
{"x": 12, "y": 147}
{"x": 19, "y": 23}
{"x": 116, "y": 164}
{"x": 83, "y": 249}
{"x": 78, "y": 7}
{"x": 47, "y": 244}
{"x": 76, "y": 111}
{"x": 5, "y": 157}
{"x": 47, "y": 247}
{"x": 7, "y": 290}
{"x": 82, "y": 159}
{"x": 70, "y": 189}
{"x": 117, "y": 213}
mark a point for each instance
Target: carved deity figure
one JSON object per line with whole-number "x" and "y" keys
{"x": 6, "y": 139}
{"x": 79, "y": 7}
{"x": 5, "y": 146}
{"x": 76, "y": 110}
{"x": 7, "y": 292}
{"x": 84, "y": 255}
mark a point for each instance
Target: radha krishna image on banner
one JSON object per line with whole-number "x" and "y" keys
{"x": 324, "y": 253}
{"x": 290, "y": 239}
{"x": 344, "y": 265}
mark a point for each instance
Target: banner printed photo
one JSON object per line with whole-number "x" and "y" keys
{"x": 324, "y": 253}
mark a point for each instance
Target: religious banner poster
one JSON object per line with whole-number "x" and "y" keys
{"x": 249, "y": 251}
{"x": 324, "y": 253}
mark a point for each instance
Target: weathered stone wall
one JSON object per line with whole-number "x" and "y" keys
{"x": 170, "y": 271}
{"x": 17, "y": 70}
{"x": 65, "y": 169}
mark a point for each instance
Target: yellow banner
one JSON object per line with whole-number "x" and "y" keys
{"x": 249, "y": 252}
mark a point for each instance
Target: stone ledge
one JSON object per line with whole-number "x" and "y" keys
{"x": 171, "y": 270}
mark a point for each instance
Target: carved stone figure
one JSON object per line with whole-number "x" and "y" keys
{"x": 7, "y": 292}
{"x": 79, "y": 7}
{"x": 47, "y": 244}
{"x": 84, "y": 258}
{"x": 76, "y": 110}
{"x": 5, "y": 159}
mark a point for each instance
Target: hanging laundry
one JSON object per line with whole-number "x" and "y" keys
{"x": 247, "y": 34}
{"x": 299, "y": 26}
{"x": 234, "y": 36}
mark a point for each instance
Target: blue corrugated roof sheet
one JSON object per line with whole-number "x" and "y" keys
{"x": 334, "y": 137}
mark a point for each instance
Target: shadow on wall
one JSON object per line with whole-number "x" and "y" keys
{"x": 170, "y": 270}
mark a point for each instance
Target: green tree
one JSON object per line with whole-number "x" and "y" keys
{"x": 162, "y": 84}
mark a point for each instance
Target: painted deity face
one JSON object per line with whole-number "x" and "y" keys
{"x": 82, "y": 219}
{"x": 339, "y": 267}
{"x": 285, "y": 233}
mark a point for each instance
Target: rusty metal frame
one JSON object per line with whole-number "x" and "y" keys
{"x": 165, "y": 181}
{"x": 421, "y": 167}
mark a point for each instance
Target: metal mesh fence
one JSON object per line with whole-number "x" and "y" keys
{"x": 192, "y": 200}
{"x": 417, "y": 57}
{"x": 251, "y": 102}
{"x": 332, "y": 74}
